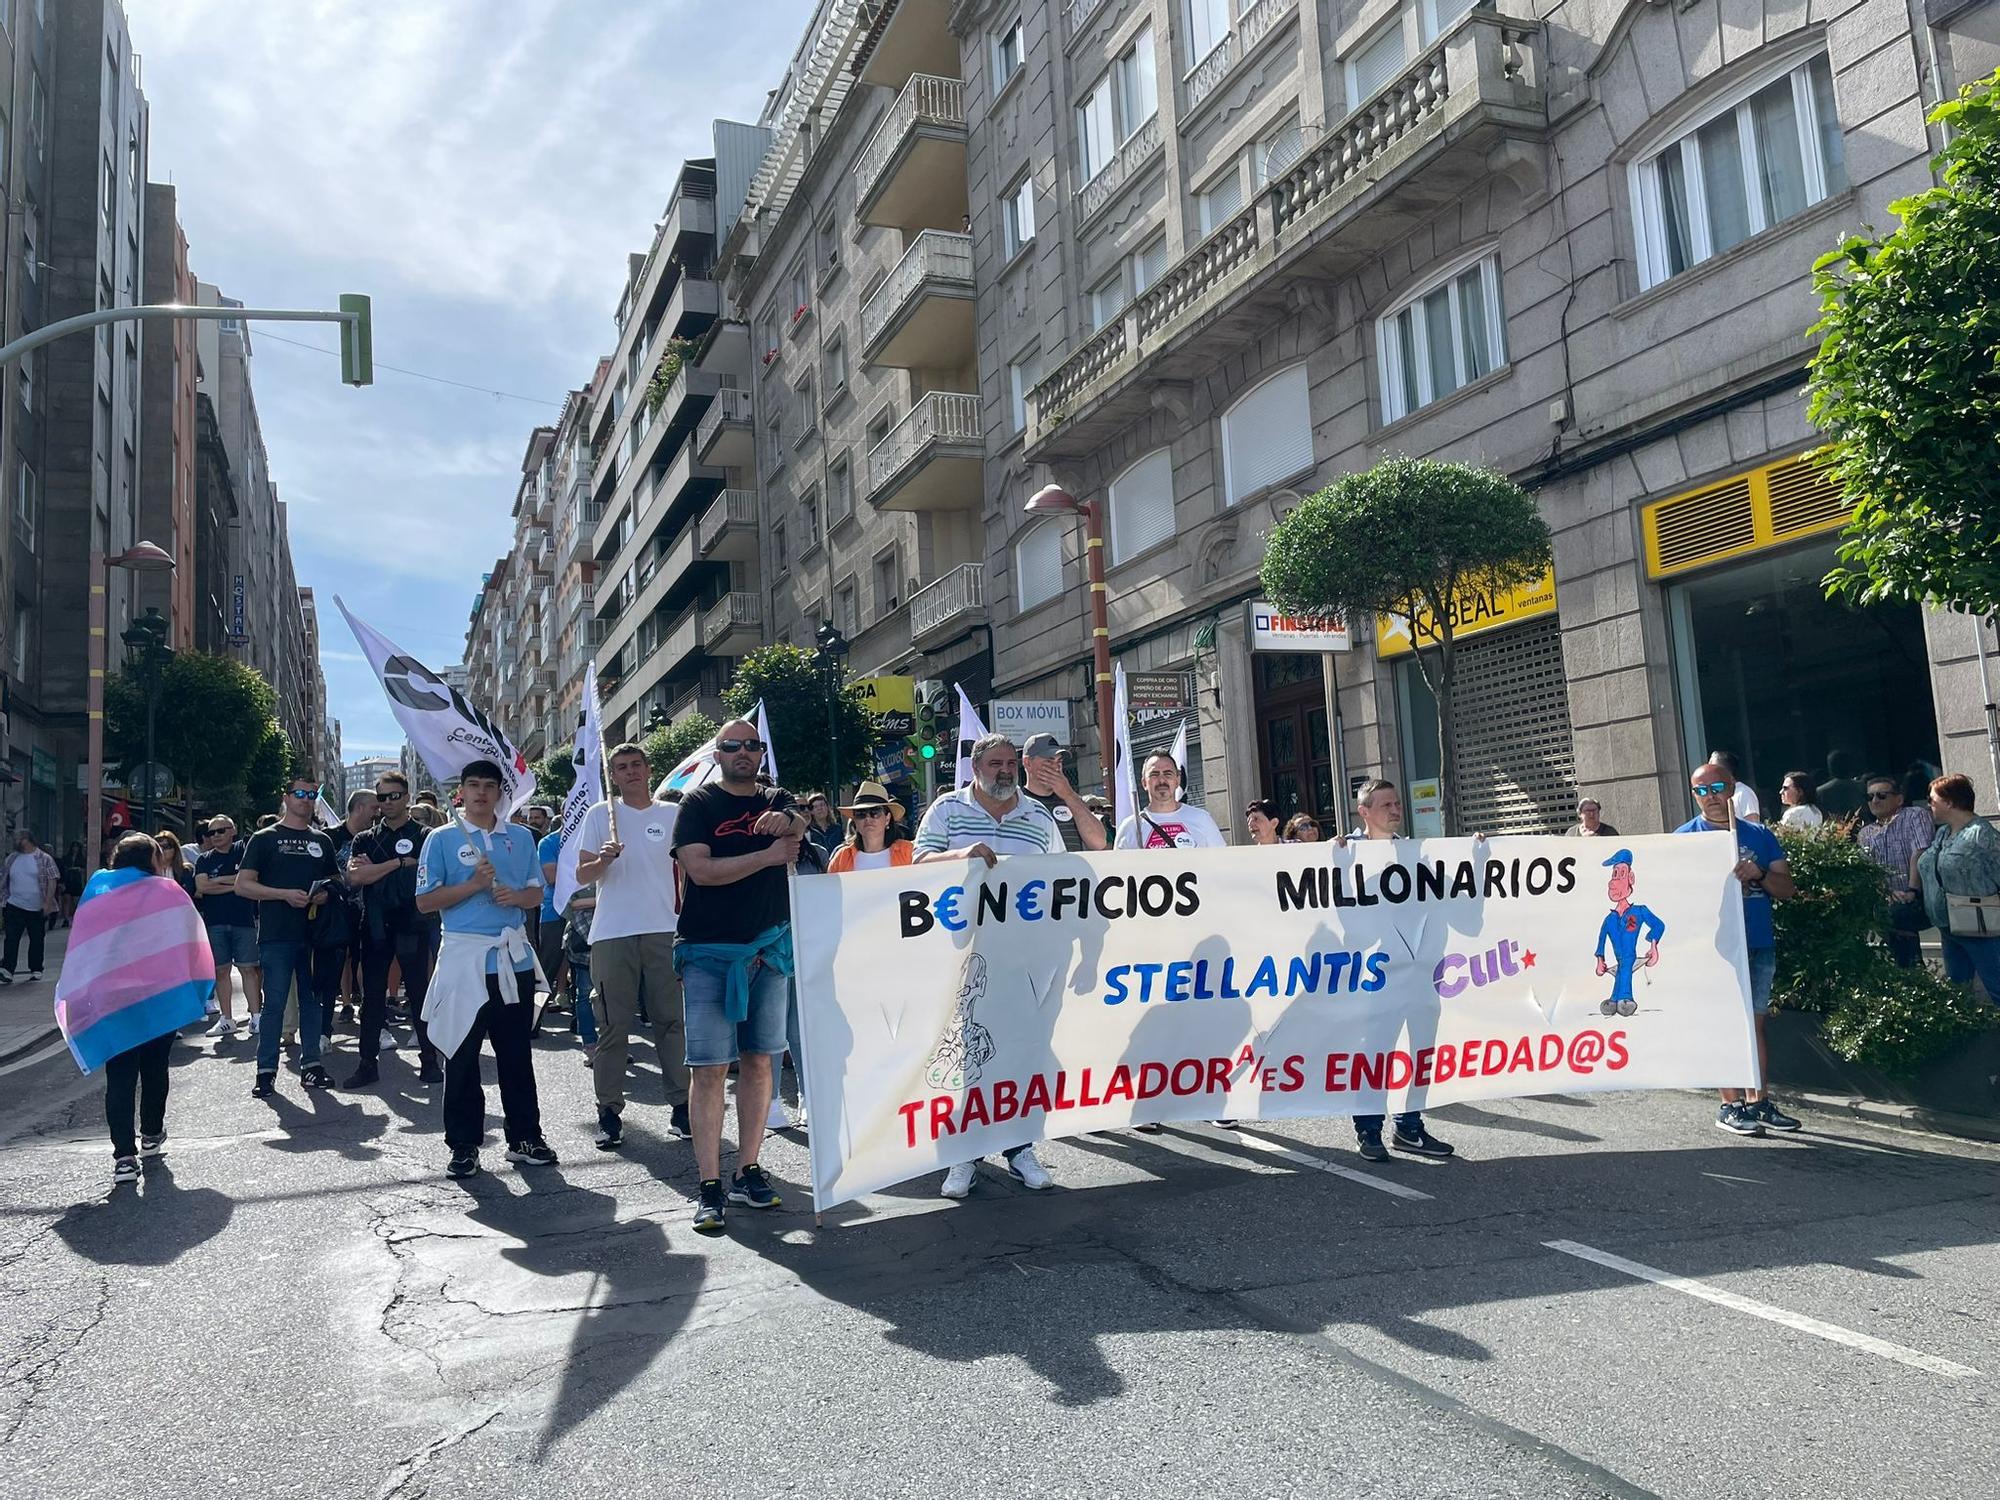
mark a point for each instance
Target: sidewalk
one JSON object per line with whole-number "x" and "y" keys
{"x": 28, "y": 1011}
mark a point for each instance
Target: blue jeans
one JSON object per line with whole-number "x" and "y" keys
{"x": 1966, "y": 956}
{"x": 713, "y": 1040}
{"x": 284, "y": 965}
{"x": 586, "y": 1018}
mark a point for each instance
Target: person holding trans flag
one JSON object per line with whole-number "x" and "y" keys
{"x": 137, "y": 970}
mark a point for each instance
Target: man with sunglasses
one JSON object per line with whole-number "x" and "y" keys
{"x": 1898, "y": 832}
{"x": 382, "y": 864}
{"x": 1765, "y": 877}
{"x": 232, "y": 924}
{"x": 736, "y": 843}
{"x": 289, "y": 869}
{"x": 632, "y": 940}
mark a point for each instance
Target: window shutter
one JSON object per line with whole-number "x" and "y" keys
{"x": 1220, "y": 203}
{"x": 1038, "y": 564}
{"x": 1378, "y": 60}
{"x": 1142, "y": 506}
{"x": 1267, "y": 436}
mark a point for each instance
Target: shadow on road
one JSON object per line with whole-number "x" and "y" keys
{"x": 154, "y": 1225}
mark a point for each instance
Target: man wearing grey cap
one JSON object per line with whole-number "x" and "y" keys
{"x": 1080, "y": 827}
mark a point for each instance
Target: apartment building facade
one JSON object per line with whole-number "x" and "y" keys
{"x": 1225, "y": 252}
{"x": 167, "y": 378}
{"x": 577, "y": 631}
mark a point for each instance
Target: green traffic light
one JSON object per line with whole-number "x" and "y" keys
{"x": 928, "y": 752}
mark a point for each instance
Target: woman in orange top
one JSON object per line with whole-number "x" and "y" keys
{"x": 869, "y": 847}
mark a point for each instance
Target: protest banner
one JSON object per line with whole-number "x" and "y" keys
{"x": 950, "y": 1010}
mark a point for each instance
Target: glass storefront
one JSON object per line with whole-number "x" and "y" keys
{"x": 1770, "y": 668}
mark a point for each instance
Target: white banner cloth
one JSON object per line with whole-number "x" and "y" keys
{"x": 587, "y": 758}
{"x": 950, "y": 1011}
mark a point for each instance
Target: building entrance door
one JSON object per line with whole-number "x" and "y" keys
{"x": 1294, "y": 751}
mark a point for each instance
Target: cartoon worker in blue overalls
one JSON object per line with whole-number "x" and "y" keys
{"x": 1622, "y": 927}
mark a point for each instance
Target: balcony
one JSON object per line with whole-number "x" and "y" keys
{"x": 911, "y": 174}
{"x": 1077, "y": 14}
{"x": 582, "y": 529}
{"x": 696, "y": 303}
{"x": 681, "y": 641}
{"x": 1256, "y": 22}
{"x": 948, "y": 606}
{"x": 689, "y": 220}
{"x": 702, "y": 697}
{"x": 733, "y": 625}
{"x": 932, "y": 459}
{"x": 724, "y": 437}
{"x": 1419, "y": 141}
{"x": 727, "y": 531}
{"x": 920, "y": 318}
{"x": 1140, "y": 148}
{"x": 901, "y": 37}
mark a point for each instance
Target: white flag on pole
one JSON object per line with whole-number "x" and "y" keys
{"x": 771, "y": 747}
{"x": 323, "y": 812}
{"x": 445, "y": 730}
{"x": 1124, "y": 804}
{"x": 970, "y": 732}
{"x": 588, "y": 759}
{"x": 1180, "y": 758}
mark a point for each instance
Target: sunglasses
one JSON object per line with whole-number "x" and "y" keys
{"x": 390, "y": 796}
{"x": 871, "y": 812}
{"x": 305, "y": 794}
{"x": 731, "y": 747}
{"x": 1710, "y": 788}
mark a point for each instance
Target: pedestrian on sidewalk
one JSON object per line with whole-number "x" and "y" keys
{"x": 735, "y": 842}
{"x": 231, "y": 920}
{"x": 34, "y": 891}
{"x": 1960, "y": 876}
{"x": 289, "y": 870}
{"x": 120, "y": 1004}
{"x": 1893, "y": 841}
{"x": 481, "y": 875}
{"x": 632, "y": 940}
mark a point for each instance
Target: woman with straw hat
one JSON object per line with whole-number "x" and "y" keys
{"x": 873, "y": 815}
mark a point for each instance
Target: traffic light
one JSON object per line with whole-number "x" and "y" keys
{"x": 832, "y": 644}
{"x": 357, "y": 340}
{"x": 930, "y": 700}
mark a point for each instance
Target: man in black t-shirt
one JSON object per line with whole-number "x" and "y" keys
{"x": 290, "y": 871}
{"x": 736, "y": 842}
{"x": 382, "y": 864}
{"x": 232, "y": 924}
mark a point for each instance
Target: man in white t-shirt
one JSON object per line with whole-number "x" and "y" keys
{"x": 632, "y": 939}
{"x": 1166, "y": 822}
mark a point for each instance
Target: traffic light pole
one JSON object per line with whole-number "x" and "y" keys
{"x": 354, "y": 317}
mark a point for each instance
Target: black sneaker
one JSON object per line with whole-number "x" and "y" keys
{"x": 315, "y": 1077}
{"x": 462, "y": 1164}
{"x": 265, "y": 1086}
{"x": 1369, "y": 1144}
{"x": 610, "y": 1129}
{"x": 1738, "y": 1120}
{"x": 534, "y": 1153}
{"x": 1419, "y": 1142}
{"x": 1154, "y": 1129}
{"x": 710, "y": 1209}
{"x": 750, "y": 1188}
{"x": 363, "y": 1076}
{"x": 677, "y": 1121}
{"x": 430, "y": 1072}
{"x": 1767, "y": 1114}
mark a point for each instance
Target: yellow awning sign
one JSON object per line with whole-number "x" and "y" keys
{"x": 1472, "y": 611}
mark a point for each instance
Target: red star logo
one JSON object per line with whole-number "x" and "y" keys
{"x": 1528, "y": 960}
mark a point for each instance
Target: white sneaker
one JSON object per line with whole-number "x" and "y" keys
{"x": 223, "y": 1027}
{"x": 387, "y": 1041}
{"x": 958, "y": 1181}
{"x": 1028, "y": 1171}
{"x": 214, "y": 1009}
{"x": 253, "y": 1022}
{"x": 799, "y": 1121}
{"x": 36, "y": 975}
{"x": 776, "y": 1118}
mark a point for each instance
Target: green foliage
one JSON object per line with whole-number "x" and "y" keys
{"x": 263, "y": 785}
{"x": 1903, "y": 1018}
{"x": 668, "y": 746}
{"x": 212, "y": 715}
{"x": 555, "y": 774}
{"x": 1907, "y": 380}
{"x": 1828, "y": 934}
{"x": 794, "y": 688}
{"x": 672, "y": 357}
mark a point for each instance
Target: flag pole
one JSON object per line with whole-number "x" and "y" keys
{"x": 604, "y": 776}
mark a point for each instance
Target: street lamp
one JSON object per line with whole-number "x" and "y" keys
{"x": 1054, "y": 500}
{"x": 142, "y": 558}
{"x": 146, "y": 638}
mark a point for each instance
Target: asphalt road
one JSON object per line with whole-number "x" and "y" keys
{"x": 297, "y": 1302}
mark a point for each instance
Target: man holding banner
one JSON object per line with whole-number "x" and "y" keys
{"x": 632, "y": 939}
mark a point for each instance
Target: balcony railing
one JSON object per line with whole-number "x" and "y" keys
{"x": 937, "y": 604}
{"x": 1078, "y": 12}
{"x": 935, "y": 255}
{"x": 730, "y": 612}
{"x": 1134, "y": 154}
{"x": 730, "y": 508}
{"x": 731, "y": 404}
{"x": 1486, "y": 62}
{"x": 925, "y": 100}
{"x": 1251, "y": 28}
{"x": 940, "y": 417}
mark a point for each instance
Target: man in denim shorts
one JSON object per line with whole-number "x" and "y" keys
{"x": 735, "y": 841}
{"x": 1765, "y": 876}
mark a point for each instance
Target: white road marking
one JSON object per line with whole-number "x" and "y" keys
{"x": 1321, "y": 1164}
{"x": 1832, "y": 1332}
{"x": 51, "y": 1050}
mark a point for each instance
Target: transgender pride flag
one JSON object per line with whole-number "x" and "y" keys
{"x": 138, "y": 966}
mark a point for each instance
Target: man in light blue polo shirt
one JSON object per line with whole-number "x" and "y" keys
{"x": 483, "y": 876}
{"x": 987, "y": 820}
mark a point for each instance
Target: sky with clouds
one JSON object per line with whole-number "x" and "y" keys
{"x": 481, "y": 168}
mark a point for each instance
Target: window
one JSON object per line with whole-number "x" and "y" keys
{"x": 839, "y": 492}
{"x": 1094, "y": 145}
{"x": 781, "y": 561}
{"x": 27, "y": 496}
{"x": 38, "y": 113}
{"x": 1106, "y": 298}
{"x": 23, "y": 618}
{"x": 1267, "y": 436}
{"x": 847, "y": 610}
{"x": 777, "y": 441}
{"x": 1038, "y": 564}
{"x": 1276, "y": 152}
{"x": 27, "y": 379}
{"x": 1138, "y": 84}
{"x": 801, "y": 295}
{"x": 1142, "y": 506}
{"x": 836, "y": 367}
{"x": 1009, "y": 52}
{"x": 1208, "y": 25}
{"x": 809, "y": 520}
{"x": 1125, "y": 98}
{"x": 1150, "y": 264}
{"x": 1022, "y": 377}
{"x": 1219, "y": 202}
{"x": 878, "y": 430}
{"x": 887, "y": 596}
{"x": 802, "y": 393}
{"x": 1443, "y": 337}
{"x": 1754, "y": 162}
{"x": 110, "y": 195}
{"x": 1376, "y": 61}
{"x": 829, "y": 246}
{"x": 1018, "y": 216}
{"x": 31, "y": 233}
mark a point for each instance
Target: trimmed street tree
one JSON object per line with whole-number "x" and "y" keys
{"x": 1906, "y": 383}
{"x": 213, "y": 720}
{"x": 794, "y": 687}
{"x": 1409, "y": 539}
{"x": 555, "y": 774}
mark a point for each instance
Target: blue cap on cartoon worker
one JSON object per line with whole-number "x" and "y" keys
{"x": 1622, "y": 929}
